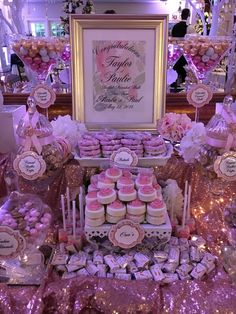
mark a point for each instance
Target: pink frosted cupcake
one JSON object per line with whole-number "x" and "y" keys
{"x": 116, "y": 208}
{"x": 136, "y": 218}
{"x": 143, "y": 180}
{"x": 91, "y": 196}
{"x": 113, "y": 174}
{"x": 127, "y": 194}
{"x": 104, "y": 183}
{"x": 127, "y": 174}
{"x": 125, "y": 182}
{"x": 136, "y": 207}
{"x": 94, "y": 210}
{"x": 93, "y": 187}
{"x": 106, "y": 196}
{"x": 156, "y": 208}
{"x": 147, "y": 194}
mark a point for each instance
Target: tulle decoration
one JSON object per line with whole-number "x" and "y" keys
{"x": 174, "y": 126}
{"x": 69, "y": 129}
{"x": 191, "y": 143}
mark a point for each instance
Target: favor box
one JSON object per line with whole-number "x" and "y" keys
{"x": 9, "y": 119}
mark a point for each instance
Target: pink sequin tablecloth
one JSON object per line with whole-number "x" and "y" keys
{"x": 214, "y": 294}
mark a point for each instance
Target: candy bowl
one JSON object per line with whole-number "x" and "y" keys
{"x": 204, "y": 53}
{"x": 174, "y": 50}
{"x": 39, "y": 55}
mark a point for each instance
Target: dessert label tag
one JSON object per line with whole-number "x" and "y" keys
{"x": 29, "y": 165}
{"x": 126, "y": 234}
{"x": 12, "y": 243}
{"x": 225, "y": 166}
{"x": 43, "y": 95}
{"x": 199, "y": 95}
{"x": 124, "y": 156}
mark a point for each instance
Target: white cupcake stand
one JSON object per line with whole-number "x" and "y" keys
{"x": 162, "y": 232}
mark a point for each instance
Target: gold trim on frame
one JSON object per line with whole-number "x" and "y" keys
{"x": 158, "y": 23}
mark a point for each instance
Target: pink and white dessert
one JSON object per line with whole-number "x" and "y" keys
{"x": 104, "y": 183}
{"x": 183, "y": 231}
{"x": 136, "y": 207}
{"x": 156, "y": 208}
{"x": 136, "y": 218}
{"x": 125, "y": 182}
{"x": 147, "y": 194}
{"x": 91, "y": 196}
{"x": 94, "y": 210}
{"x": 127, "y": 194}
{"x": 106, "y": 196}
{"x": 93, "y": 187}
{"x": 127, "y": 174}
{"x": 143, "y": 180}
{"x": 116, "y": 208}
{"x": 113, "y": 174}
{"x": 113, "y": 219}
{"x": 94, "y": 222}
{"x": 155, "y": 220}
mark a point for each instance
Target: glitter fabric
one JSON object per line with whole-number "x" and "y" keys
{"x": 213, "y": 294}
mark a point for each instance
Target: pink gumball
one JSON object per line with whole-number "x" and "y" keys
{"x": 34, "y": 66}
{"x": 22, "y": 210}
{"x": 45, "y": 220}
{"x": 28, "y": 204}
{"x": 34, "y": 213}
{"x": 39, "y": 226}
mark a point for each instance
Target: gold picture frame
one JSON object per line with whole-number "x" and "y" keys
{"x": 119, "y": 70}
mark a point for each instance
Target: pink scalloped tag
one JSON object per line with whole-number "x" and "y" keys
{"x": 12, "y": 244}
{"x": 29, "y": 165}
{"x": 124, "y": 156}
{"x": 199, "y": 95}
{"x": 225, "y": 166}
{"x": 126, "y": 234}
{"x": 43, "y": 95}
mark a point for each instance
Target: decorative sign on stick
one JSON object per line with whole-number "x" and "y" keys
{"x": 124, "y": 156}
{"x": 43, "y": 95}
{"x": 126, "y": 234}
{"x": 12, "y": 243}
{"x": 225, "y": 166}
{"x": 199, "y": 95}
{"x": 29, "y": 165}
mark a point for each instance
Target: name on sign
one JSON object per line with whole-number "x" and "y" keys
{"x": 225, "y": 166}
{"x": 11, "y": 243}
{"x": 43, "y": 95}
{"x": 126, "y": 234}
{"x": 29, "y": 165}
{"x": 199, "y": 95}
{"x": 124, "y": 156}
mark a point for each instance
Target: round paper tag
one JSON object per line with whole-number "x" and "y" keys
{"x": 124, "y": 156}
{"x": 199, "y": 95}
{"x": 29, "y": 165}
{"x": 225, "y": 166}
{"x": 12, "y": 244}
{"x": 43, "y": 95}
{"x": 126, "y": 234}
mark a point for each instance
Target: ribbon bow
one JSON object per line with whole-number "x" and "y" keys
{"x": 31, "y": 138}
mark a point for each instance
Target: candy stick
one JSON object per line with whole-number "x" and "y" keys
{"x": 68, "y": 205}
{"x": 81, "y": 207}
{"x": 73, "y": 218}
{"x": 185, "y": 203}
{"x": 63, "y": 211}
{"x": 189, "y": 201}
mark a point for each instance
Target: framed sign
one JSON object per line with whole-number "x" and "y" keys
{"x": 119, "y": 70}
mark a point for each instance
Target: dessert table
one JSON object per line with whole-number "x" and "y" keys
{"x": 213, "y": 294}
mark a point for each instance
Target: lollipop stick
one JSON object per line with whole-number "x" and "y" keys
{"x": 189, "y": 201}
{"x": 185, "y": 203}
{"x": 74, "y": 218}
{"x": 68, "y": 205}
{"x": 63, "y": 212}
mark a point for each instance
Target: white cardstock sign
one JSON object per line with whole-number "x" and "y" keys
{"x": 43, "y": 95}
{"x": 124, "y": 156}
{"x": 126, "y": 234}
{"x": 12, "y": 244}
{"x": 29, "y": 165}
{"x": 199, "y": 95}
{"x": 225, "y": 166}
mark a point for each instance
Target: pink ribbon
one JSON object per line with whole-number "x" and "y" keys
{"x": 33, "y": 140}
